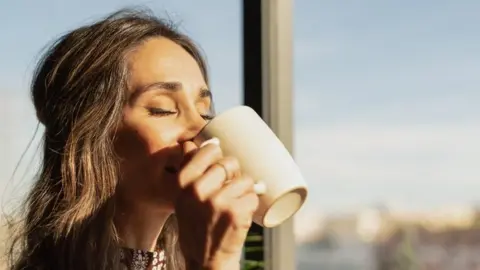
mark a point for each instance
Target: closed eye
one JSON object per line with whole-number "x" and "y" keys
{"x": 207, "y": 117}
{"x": 162, "y": 112}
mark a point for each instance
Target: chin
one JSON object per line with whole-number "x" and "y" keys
{"x": 164, "y": 207}
{"x": 156, "y": 192}
{"x": 163, "y": 199}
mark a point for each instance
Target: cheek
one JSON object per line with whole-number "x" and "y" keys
{"x": 144, "y": 153}
{"x": 138, "y": 147}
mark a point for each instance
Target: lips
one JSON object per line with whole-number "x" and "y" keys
{"x": 171, "y": 169}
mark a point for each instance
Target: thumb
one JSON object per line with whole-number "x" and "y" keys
{"x": 189, "y": 148}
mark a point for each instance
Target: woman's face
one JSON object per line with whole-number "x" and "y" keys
{"x": 168, "y": 103}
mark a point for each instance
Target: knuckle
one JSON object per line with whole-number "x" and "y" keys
{"x": 233, "y": 166}
{"x": 241, "y": 218}
{"x": 236, "y": 184}
{"x": 217, "y": 203}
{"x": 252, "y": 201}
{"x": 217, "y": 167}
{"x": 244, "y": 184}
{"x": 232, "y": 161}
{"x": 232, "y": 214}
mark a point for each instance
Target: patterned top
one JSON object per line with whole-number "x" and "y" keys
{"x": 132, "y": 259}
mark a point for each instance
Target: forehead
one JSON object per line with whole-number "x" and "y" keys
{"x": 160, "y": 59}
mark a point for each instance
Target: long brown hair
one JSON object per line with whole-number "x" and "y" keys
{"x": 78, "y": 91}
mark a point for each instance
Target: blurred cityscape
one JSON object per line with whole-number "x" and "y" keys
{"x": 380, "y": 238}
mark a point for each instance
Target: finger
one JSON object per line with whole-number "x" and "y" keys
{"x": 209, "y": 141}
{"x": 235, "y": 189}
{"x": 204, "y": 158}
{"x": 189, "y": 147}
{"x": 230, "y": 167}
{"x": 210, "y": 183}
{"x": 243, "y": 209}
{"x": 249, "y": 202}
{"x": 215, "y": 178}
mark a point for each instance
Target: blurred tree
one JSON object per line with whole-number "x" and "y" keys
{"x": 253, "y": 245}
{"x": 405, "y": 257}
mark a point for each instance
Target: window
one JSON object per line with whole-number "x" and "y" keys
{"x": 386, "y": 132}
{"x": 267, "y": 28}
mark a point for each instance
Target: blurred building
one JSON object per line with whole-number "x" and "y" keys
{"x": 380, "y": 239}
{"x": 417, "y": 247}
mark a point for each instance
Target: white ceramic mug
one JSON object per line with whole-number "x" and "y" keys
{"x": 243, "y": 134}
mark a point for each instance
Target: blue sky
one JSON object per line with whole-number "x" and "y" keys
{"x": 386, "y": 92}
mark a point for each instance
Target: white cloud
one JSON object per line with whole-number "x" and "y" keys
{"x": 419, "y": 165}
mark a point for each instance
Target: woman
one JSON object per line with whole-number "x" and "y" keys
{"x": 122, "y": 186}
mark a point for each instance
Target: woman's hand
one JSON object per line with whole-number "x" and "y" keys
{"x": 215, "y": 208}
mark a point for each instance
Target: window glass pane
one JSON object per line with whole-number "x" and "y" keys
{"x": 387, "y": 128}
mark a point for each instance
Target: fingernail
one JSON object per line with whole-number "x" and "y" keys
{"x": 214, "y": 140}
{"x": 260, "y": 188}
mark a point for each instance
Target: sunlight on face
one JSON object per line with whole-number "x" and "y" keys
{"x": 168, "y": 102}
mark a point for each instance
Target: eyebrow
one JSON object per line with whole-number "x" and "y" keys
{"x": 169, "y": 86}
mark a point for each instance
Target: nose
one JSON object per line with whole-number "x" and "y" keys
{"x": 194, "y": 123}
